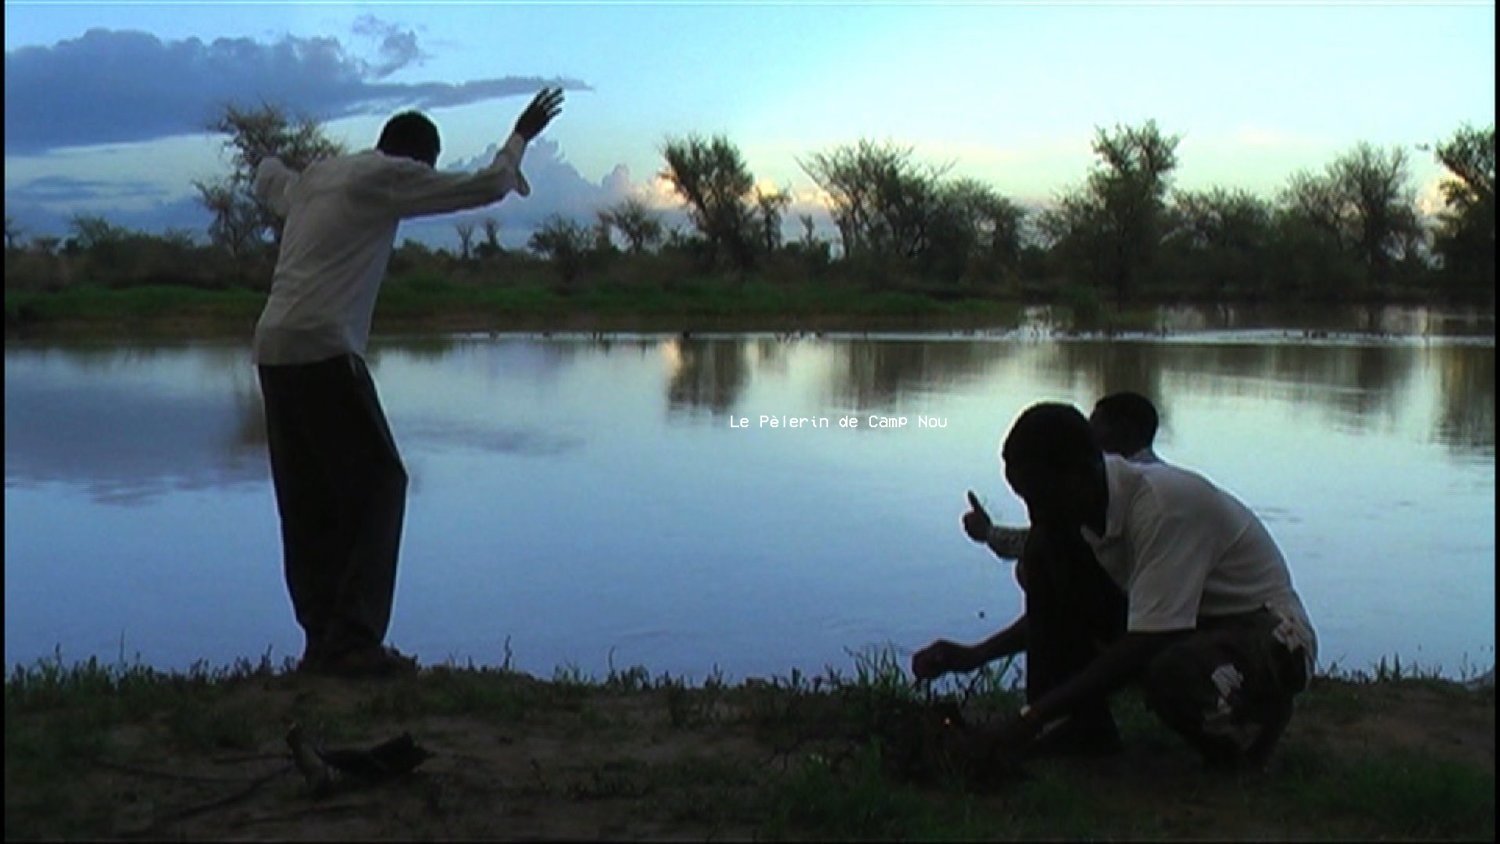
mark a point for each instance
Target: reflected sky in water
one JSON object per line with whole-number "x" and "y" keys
{"x": 593, "y": 500}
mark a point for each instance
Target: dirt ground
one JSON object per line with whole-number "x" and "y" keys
{"x": 644, "y": 764}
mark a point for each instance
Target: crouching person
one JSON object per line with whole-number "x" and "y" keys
{"x": 1147, "y": 574}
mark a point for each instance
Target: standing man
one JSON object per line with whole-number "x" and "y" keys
{"x": 1213, "y": 629}
{"x": 340, "y": 484}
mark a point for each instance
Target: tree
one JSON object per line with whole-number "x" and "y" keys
{"x": 1376, "y": 186}
{"x": 638, "y": 224}
{"x": 1221, "y": 238}
{"x": 604, "y": 233}
{"x": 769, "y": 208}
{"x": 563, "y": 242}
{"x": 713, "y": 180}
{"x": 465, "y": 229}
{"x": 12, "y": 234}
{"x": 973, "y": 231}
{"x": 881, "y": 200}
{"x": 95, "y": 237}
{"x": 1466, "y": 227}
{"x": 491, "y": 244}
{"x": 1360, "y": 209}
{"x": 1130, "y": 193}
{"x": 241, "y": 224}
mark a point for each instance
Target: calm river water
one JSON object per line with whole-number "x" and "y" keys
{"x": 596, "y": 501}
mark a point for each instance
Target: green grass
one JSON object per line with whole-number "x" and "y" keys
{"x": 428, "y": 297}
{"x": 87, "y": 303}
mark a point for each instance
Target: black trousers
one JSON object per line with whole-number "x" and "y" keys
{"x": 1226, "y": 687}
{"x": 341, "y": 494}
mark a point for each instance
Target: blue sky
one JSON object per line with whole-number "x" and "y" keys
{"x": 103, "y": 101}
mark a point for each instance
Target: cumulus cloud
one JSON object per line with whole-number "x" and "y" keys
{"x": 557, "y": 188}
{"x": 111, "y": 86}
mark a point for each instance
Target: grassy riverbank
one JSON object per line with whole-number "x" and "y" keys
{"x": 428, "y": 303}
{"x": 94, "y": 751}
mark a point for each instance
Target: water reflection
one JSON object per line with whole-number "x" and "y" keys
{"x": 875, "y": 375}
{"x": 1466, "y": 391}
{"x": 542, "y": 462}
{"x": 130, "y": 422}
{"x": 706, "y": 374}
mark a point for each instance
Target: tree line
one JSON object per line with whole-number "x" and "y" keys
{"x": 1350, "y": 231}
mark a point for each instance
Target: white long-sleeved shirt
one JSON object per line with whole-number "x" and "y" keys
{"x": 341, "y": 218}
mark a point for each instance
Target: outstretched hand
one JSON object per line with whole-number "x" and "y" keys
{"x": 939, "y": 658}
{"x": 977, "y": 522}
{"x": 543, "y": 107}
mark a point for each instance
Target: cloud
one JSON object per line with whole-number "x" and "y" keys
{"x": 111, "y": 86}
{"x": 45, "y": 206}
{"x": 47, "y": 190}
{"x": 398, "y": 47}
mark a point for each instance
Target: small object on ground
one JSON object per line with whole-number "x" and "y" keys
{"x": 324, "y": 769}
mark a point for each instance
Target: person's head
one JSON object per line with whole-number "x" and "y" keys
{"x": 1053, "y": 462}
{"x": 1124, "y": 423}
{"x": 410, "y": 135}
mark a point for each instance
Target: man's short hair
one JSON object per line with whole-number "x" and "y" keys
{"x": 1131, "y": 412}
{"x": 1051, "y": 436}
{"x": 410, "y": 134}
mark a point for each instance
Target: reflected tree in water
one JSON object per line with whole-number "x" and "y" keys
{"x": 877, "y": 374}
{"x": 1466, "y": 401}
{"x": 706, "y": 374}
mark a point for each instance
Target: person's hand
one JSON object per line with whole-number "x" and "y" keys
{"x": 939, "y": 658}
{"x": 544, "y": 106}
{"x": 977, "y": 522}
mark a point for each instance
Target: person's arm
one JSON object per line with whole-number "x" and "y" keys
{"x": 1008, "y": 542}
{"x": 415, "y": 190}
{"x": 943, "y": 657}
{"x": 273, "y": 184}
{"x": 408, "y": 188}
{"x": 1120, "y": 663}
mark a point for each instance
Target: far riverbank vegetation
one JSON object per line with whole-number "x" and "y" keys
{"x": 910, "y": 240}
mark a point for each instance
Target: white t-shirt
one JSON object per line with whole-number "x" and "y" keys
{"x": 1182, "y": 548}
{"x": 341, "y": 217}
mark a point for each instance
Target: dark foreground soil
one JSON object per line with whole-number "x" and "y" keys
{"x": 630, "y": 758}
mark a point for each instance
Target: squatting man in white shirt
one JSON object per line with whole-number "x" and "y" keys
{"x": 1212, "y": 628}
{"x": 340, "y": 483}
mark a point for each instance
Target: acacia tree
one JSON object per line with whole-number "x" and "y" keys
{"x": 973, "y": 230}
{"x": 1376, "y": 186}
{"x": 1130, "y": 190}
{"x": 491, "y": 244}
{"x": 638, "y": 224}
{"x": 1359, "y": 213}
{"x": 564, "y": 242}
{"x": 1221, "y": 237}
{"x": 465, "y": 229}
{"x": 768, "y": 209}
{"x": 880, "y": 198}
{"x": 241, "y": 225}
{"x": 12, "y": 234}
{"x": 713, "y": 180}
{"x": 1466, "y": 227}
{"x": 1111, "y": 227}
